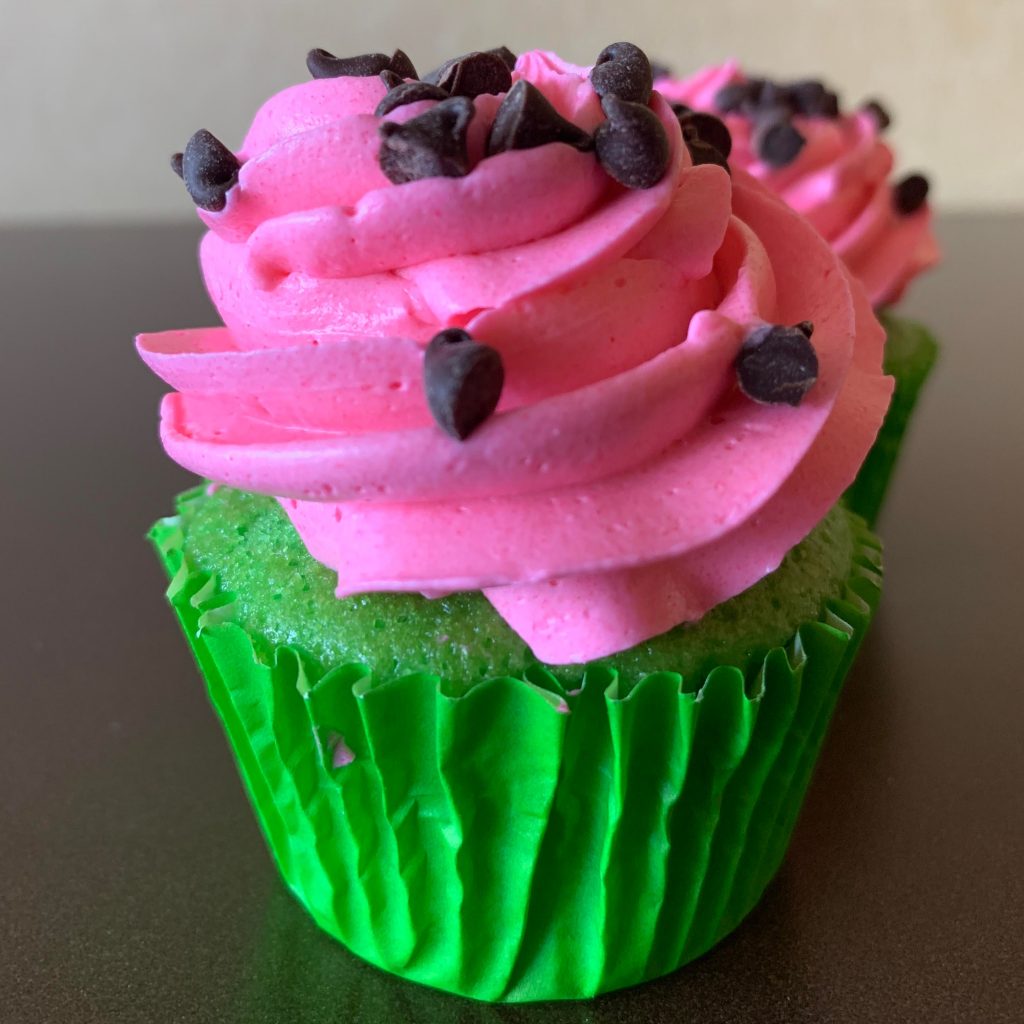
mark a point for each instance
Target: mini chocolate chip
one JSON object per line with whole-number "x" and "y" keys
{"x": 526, "y": 119}
{"x": 209, "y": 169}
{"x": 806, "y": 327}
{"x": 777, "y": 364}
{"x": 390, "y": 79}
{"x": 879, "y": 113}
{"x": 777, "y": 142}
{"x": 827, "y": 106}
{"x": 710, "y": 129}
{"x": 506, "y": 55}
{"x": 909, "y": 195}
{"x": 623, "y": 70}
{"x": 705, "y": 153}
{"x": 472, "y": 74}
{"x": 772, "y": 96}
{"x": 432, "y": 145}
{"x": 680, "y": 110}
{"x": 408, "y": 92}
{"x": 401, "y": 65}
{"x": 177, "y": 160}
{"x": 323, "y": 64}
{"x": 731, "y": 98}
{"x": 462, "y": 380}
{"x": 632, "y": 145}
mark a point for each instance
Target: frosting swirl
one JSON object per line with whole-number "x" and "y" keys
{"x": 839, "y": 181}
{"x": 625, "y": 484}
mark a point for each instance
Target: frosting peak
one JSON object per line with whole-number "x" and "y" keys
{"x": 625, "y": 481}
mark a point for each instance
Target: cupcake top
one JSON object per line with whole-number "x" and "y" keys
{"x": 832, "y": 165}
{"x": 505, "y": 328}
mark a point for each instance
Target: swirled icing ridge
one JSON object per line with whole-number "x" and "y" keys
{"x": 624, "y": 484}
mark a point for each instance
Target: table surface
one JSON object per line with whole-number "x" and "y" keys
{"x": 135, "y": 884}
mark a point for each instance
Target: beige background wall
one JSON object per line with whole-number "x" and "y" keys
{"x": 94, "y": 94}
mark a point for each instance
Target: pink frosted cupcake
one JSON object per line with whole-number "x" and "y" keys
{"x": 526, "y": 591}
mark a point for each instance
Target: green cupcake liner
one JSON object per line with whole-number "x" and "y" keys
{"x": 910, "y": 355}
{"x": 522, "y": 841}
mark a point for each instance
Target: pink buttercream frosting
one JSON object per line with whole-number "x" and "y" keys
{"x": 840, "y": 181}
{"x": 624, "y": 484}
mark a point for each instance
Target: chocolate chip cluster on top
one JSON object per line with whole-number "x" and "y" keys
{"x": 777, "y": 141}
{"x": 631, "y": 145}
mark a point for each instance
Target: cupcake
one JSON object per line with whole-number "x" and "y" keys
{"x": 521, "y": 579}
{"x": 834, "y": 167}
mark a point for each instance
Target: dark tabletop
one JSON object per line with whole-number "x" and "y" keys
{"x": 135, "y": 886}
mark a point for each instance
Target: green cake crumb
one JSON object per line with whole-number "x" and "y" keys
{"x": 284, "y": 597}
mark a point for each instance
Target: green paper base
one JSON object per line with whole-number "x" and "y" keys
{"x": 910, "y": 354}
{"x": 524, "y": 841}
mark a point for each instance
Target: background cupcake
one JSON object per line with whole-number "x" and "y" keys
{"x": 536, "y": 384}
{"x": 834, "y": 166}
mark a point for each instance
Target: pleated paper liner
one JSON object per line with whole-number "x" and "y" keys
{"x": 524, "y": 842}
{"x": 910, "y": 355}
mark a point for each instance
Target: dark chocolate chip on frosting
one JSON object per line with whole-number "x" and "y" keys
{"x": 811, "y": 99}
{"x": 462, "y": 380}
{"x": 909, "y": 195}
{"x": 880, "y": 114}
{"x": 323, "y": 64}
{"x": 472, "y": 74}
{"x": 623, "y": 70}
{"x": 707, "y": 128}
{"x": 177, "y": 164}
{"x": 209, "y": 169}
{"x": 506, "y": 55}
{"x": 705, "y": 153}
{"x": 432, "y": 145}
{"x": 403, "y": 92}
{"x": 526, "y": 119}
{"x": 777, "y": 364}
{"x": 777, "y": 142}
{"x": 632, "y": 144}
{"x": 732, "y": 98}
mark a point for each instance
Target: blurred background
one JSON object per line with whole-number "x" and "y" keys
{"x": 95, "y": 94}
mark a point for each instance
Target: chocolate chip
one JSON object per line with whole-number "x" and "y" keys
{"x": 177, "y": 159}
{"x": 472, "y": 74}
{"x": 390, "y": 79}
{"x": 323, "y": 64}
{"x": 407, "y": 92}
{"x": 462, "y": 380}
{"x": 623, "y": 70}
{"x": 777, "y": 142}
{"x": 632, "y": 145}
{"x": 432, "y": 145}
{"x": 705, "y": 153}
{"x": 402, "y": 65}
{"x": 731, "y": 98}
{"x": 777, "y": 364}
{"x": 879, "y": 113}
{"x": 806, "y": 327}
{"x": 772, "y": 96}
{"x": 526, "y": 119}
{"x": 506, "y": 55}
{"x": 708, "y": 128}
{"x": 908, "y": 195}
{"x": 209, "y": 169}
{"x": 680, "y": 110}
